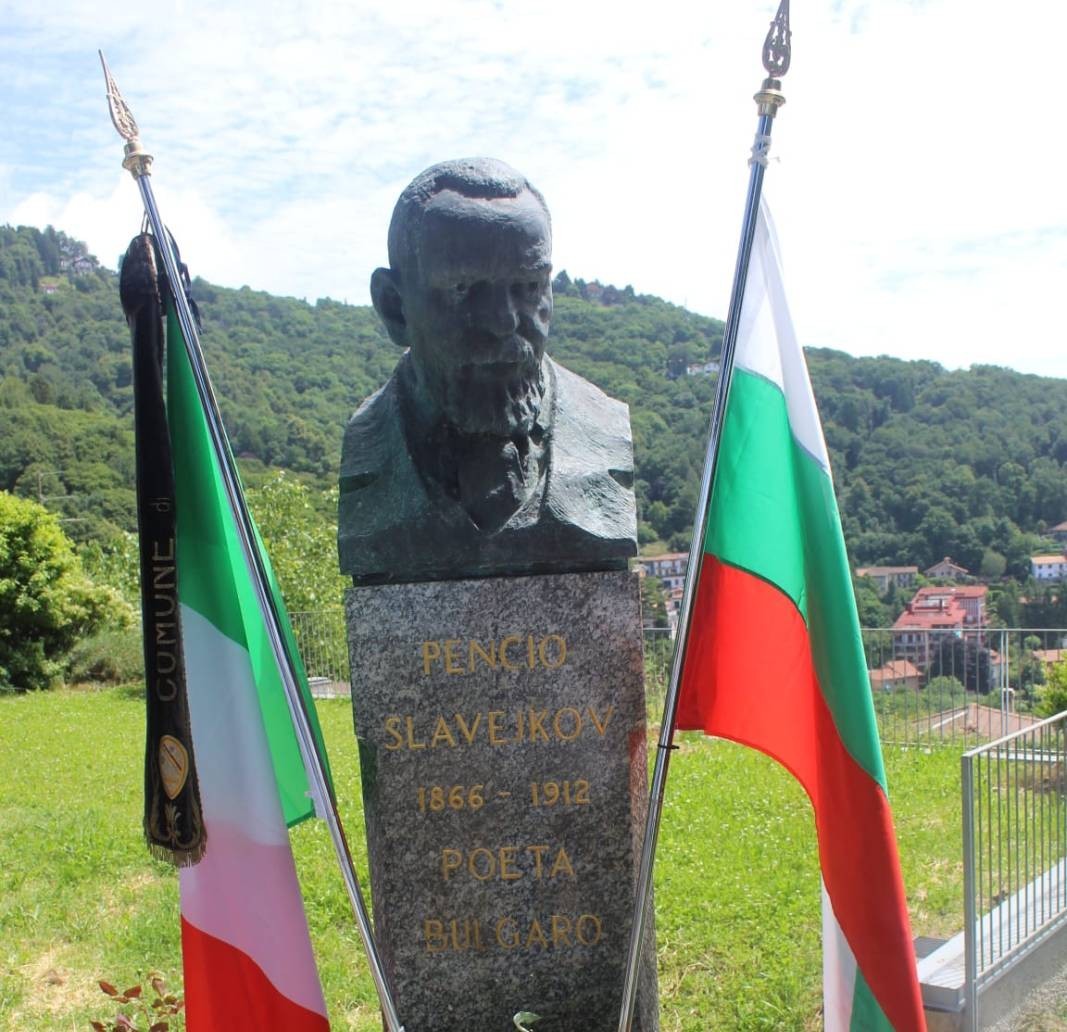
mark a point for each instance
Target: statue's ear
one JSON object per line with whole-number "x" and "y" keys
{"x": 389, "y": 304}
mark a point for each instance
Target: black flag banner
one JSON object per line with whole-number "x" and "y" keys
{"x": 173, "y": 820}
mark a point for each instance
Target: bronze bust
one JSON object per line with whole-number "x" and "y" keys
{"x": 480, "y": 456}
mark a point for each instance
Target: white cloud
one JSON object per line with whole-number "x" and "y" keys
{"x": 917, "y": 192}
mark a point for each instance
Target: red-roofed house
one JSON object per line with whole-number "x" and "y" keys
{"x": 1059, "y": 532}
{"x": 934, "y": 612}
{"x": 896, "y": 674}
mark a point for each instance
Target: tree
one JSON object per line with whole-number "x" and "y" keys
{"x": 1053, "y": 697}
{"x": 653, "y": 606}
{"x": 46, "y": 601}
{"x": 301, "y": 540}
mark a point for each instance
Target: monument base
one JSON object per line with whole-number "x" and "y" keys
{"x": 501, "y": 727}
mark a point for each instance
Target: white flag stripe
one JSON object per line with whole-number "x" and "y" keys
{"x": 767, "y": 342}
{"x": 245, "y": 891}
{"x": 838, "y": 972}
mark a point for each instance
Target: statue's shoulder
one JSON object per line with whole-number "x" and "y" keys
{"x": 590, "y": 427}
{"x": 373, "y": 437}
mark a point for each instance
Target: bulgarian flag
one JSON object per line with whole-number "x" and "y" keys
{"x": 774, "y": 657}
{"x": 246, "y": 951}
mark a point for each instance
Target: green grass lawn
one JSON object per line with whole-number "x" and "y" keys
{"x": 737, "y": 886}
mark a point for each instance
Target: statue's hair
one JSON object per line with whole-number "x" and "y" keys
{"x": 477, "y": 178}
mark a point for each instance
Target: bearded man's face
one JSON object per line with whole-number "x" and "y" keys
{"x": 477, "y": 303}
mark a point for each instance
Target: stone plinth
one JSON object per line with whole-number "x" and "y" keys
{"x": 501, "y": 727}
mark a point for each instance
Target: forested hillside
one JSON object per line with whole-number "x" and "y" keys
{"x": 971, "y": 464}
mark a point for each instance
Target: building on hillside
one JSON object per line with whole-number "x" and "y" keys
{"x": 1050, "y": 657}
{"x": 895, "y": 675}
{"x": 702, "y": 368}
{"x": 669, "y": 568}
{"x": 887, "y": 577}
{"x": 1059, "y": 532}
{"x": 946, "y": 569}
{"x": 1048, "y": 567}
{"x": 933, "y": 613}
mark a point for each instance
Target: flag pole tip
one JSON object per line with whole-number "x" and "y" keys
{"x": 137, "y": 161}
{"x": 777, "y": 50}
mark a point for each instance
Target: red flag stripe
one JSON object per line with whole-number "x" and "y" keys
{"x": 227, "y": 992}
{"x": 747, "y": 634}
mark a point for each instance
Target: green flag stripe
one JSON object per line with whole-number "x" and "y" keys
{"x": 214, "y": 578}
{"x": 867, "y": 1016}
{"x": 773, "y": 513}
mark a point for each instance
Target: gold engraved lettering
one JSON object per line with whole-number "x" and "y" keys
{"x": 470, "y": 731}
{"x": 562, "y": 865}
{"x": 505, "y": 644}
{"x": 486, "y": 869}
{"x": 488, "y": 658}
{"x": 412, "y": 744}
{"x": 557, "y": 724}
{"x": 587, "y": 930}
{"x": 538, "y": 852}
{"x": 494, "y": 728}
{"x": 451, "y": 662}
{"x": 561, "y": 930}
{"x": 595, "y": 718}
{"x": 531, "y": 652}
{"x": 392, "y": 728}
{"x": 430, "y": 651}
{"x": 510, "y": 939}
{"x": 451, "y": 861}
{"x": 561, "y": 651}
{"x": 434, "y": 934}
{"x": 508, "y": 872}
{"x": 537, "y": 724}
{"x": 536, "y": 935}
{"x": 441, "y": 733}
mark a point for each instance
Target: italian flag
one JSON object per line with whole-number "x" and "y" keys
{"x": 245, "y": 946}
{"x": 775, "y": 660}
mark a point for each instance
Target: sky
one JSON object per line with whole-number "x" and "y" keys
{"x": 916, "y": 177}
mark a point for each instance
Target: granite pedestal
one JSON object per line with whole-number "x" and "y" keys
{"x": 501, "y": 728}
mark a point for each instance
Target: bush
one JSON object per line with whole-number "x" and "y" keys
{"x": 46, "y": 601}
{"x": 110, "y": 657}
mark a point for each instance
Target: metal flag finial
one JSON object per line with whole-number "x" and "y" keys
{"x": 776, "y": 53}
{"x": 137, "y": 161}
{"x": 776, "y": 45}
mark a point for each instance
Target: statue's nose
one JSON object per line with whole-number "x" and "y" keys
{"x": 496, "y": 310}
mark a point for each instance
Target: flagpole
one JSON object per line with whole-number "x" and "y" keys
{"x": 139, "y": 164}
{"x": 776, "y": 55}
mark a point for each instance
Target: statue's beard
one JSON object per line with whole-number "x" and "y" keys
{"x": 482, "y": 401}
{"x": 502, "y": 399}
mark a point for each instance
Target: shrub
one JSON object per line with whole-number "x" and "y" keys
{"x": 46, "y": 601}
{"x": 110, "y": 657}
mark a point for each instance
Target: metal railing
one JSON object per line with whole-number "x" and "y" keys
{"x": 320, "y": 636}
{"x": 1014, "y": 850}
{"x": 957, "y": 688}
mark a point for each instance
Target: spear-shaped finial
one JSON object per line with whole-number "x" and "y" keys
{"x": 137, "y": 161}
{"x": 776, "y": 45}
{"x": 776, "y": 52}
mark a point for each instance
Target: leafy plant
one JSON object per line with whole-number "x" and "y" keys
{"x": 159, "y": 1012}
{"x": 46, "y": 601}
